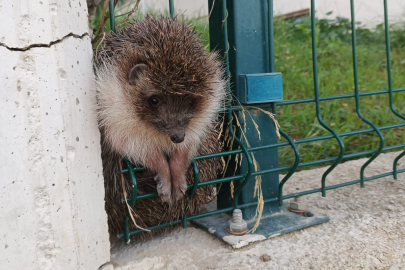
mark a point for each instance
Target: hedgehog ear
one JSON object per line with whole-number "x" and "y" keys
{"x": 136, "y": 72}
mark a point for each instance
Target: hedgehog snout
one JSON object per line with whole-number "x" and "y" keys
{"x": 178, "y": 138}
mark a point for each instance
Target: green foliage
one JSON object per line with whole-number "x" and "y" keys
{"x": 339, "y": 30}
{"x": 293, "y": 58}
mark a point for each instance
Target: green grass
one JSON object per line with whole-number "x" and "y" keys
{"x": 293, "y": 58}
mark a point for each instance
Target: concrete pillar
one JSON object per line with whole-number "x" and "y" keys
{"x": 51, "y": 183}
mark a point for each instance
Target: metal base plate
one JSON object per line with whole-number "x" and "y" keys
{"x": 270, "y": 226}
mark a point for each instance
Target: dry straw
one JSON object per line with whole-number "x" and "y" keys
{"x": 238, "y": 160}
{"x": 130, "y": 210}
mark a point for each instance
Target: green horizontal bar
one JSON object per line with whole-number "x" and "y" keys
{"x": 304, "y": 164}
{"x": 282, "y": 103}
{"x": 215, "y": 212}
{"x": 145, "y": 196}
{"x": 316, "y": 162}
{"x": 220, "y": 154}
{"x": 339, "y": 185}
{"x": 214, "y": 155}
{"x": 224, "y": 210}
{"x": 319, "y": 138}
{"x": 344, "y": 134}
{"x": 221, "y": 180}
{"x": 137, "y": 169}
{"x": 308, "y": 100}
{"x": 253, "y": 149}
{"x": 220, "y": 211}
{"x": 201, "y": 184}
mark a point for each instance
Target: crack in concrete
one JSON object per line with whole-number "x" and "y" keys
{"x": 26, "y": 48}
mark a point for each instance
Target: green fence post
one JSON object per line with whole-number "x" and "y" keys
{"x": 282, "y": 133}
{"x": 248, "y": 53}
{"x": 247, "y": 41}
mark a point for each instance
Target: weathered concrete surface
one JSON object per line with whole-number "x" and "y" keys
{"x": 51, "y": 183}
{"x": 366, "y": 231}
{"x": 28, "y": 22}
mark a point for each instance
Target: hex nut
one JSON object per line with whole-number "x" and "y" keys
{"x": 299, "y": 206}
{"x": 237, "y": 226}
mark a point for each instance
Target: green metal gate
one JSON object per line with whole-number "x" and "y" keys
{"x": 233, "y": 12}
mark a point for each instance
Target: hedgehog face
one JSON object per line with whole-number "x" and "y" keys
{"x": 170, "y": 112}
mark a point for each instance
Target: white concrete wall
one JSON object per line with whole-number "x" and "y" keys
{"x": 51, "y": 183}
{"x": 369, "y": 12}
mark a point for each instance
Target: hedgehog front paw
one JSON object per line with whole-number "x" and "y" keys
{"x": 164, "y": 187}
{"x": 179, "y": 188}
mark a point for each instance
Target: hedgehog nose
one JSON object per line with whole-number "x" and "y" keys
{"x": 177, "y": 138}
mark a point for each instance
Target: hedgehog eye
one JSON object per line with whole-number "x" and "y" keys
{"x": 153, "y": 101}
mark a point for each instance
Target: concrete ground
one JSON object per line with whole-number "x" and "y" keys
{"x": 366, "y": 231}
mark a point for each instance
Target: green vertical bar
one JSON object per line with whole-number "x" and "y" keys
{"x": 271, "y": 36}
{"x": 112, "y": 15}
{"x": 229, "y": 96}
{"x": 318, "y": 110}
{"x": 389, "y": 72}
{"x": 357, "y": 97}
{"x": 171, "y": 7}
{"x": 395, "y": 169}
{"x": 226, "y": 49}
{"x": 293, "y": 169}
{"x": 134, "y": 196}
{"x": 191, "y": 192}
{"x": 126, "y": 229}
{"x": 272, "y": 69}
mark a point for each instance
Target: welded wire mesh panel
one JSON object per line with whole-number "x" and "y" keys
{"x": 342, "y": 148}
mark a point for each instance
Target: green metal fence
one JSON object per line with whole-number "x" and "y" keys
{"x": 247, "y": 175}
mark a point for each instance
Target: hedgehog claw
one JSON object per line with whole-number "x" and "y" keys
{"x": 179, "y": 189}
{"x": 166, "y": 198}
{"x": 164, "y": 188}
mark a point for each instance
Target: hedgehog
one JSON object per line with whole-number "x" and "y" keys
{"x": 152, "y": 211}
{"x": 158, "y": 97}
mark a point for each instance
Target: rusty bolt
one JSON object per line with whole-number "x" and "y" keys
{"x": 237, "y": 226}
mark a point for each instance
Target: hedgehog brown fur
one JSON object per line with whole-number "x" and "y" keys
{"x": 172, "y": 50}
{"x": 152, "y": 211}
{"x": 164, "y": 57}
